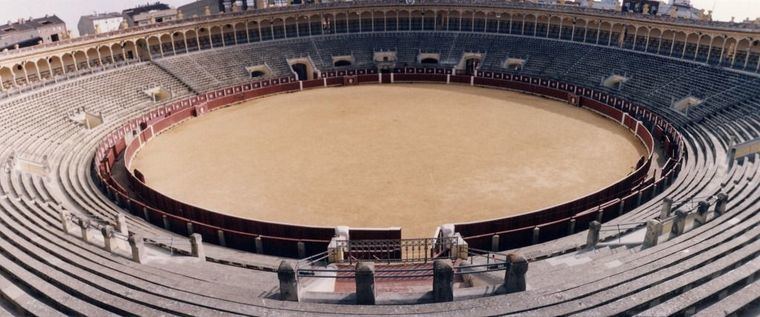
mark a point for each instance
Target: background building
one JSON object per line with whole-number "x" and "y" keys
{"x": 99, "y": 23}
{"x": 28, "y": 32}
{"x": 206, "y": 7}
{"x": 149, "y": 14}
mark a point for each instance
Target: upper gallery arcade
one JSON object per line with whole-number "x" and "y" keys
{"x": 735, "y": 48}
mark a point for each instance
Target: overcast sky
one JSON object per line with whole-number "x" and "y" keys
{"x": 71, "y": 10}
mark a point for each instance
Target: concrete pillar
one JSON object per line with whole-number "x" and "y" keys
{"x": 495, "y": 243}
{"x": 667, "y": 205}
{"x": 301, "y": 249}
{"x": 65, "y": 220}
{"x": 121, "y": 224}
{"x": 443, "y": 281}
{"x": 514, "y": 276}
{"x": 720, "y": 204}
{"x": 288, "y": 282}
{"x": 146, "y": 216}
{"x": 365, "y": 283}
{"x": 138, "y": 248}
{"x": 107, "y": 233}
{"x": 259, "y": 245}
{"x": 654, "y": 229}
{"x": 343, "y": 232}
{"x": 593, "y": 234}
{"x": 571, "y": 227}
{"x": 702, "y": 209}
{"x": 536, "y": 233}
{"x": 196, "y": 246}
{"x": 165, "y": 219}
{"x": 190, "y": 230}
{"x": 679, "y": 222}
{"x": 220, "y": 236}
{"x": 83, "y": 225}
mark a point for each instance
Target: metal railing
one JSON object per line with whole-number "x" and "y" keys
{"x": 398, "y": 250}
{"x": 403, "y": 271}
{"x": 622, "y": 228}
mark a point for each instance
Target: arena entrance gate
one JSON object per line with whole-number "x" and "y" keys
{"x": 301, "y": 71}
{"x": 471, "y": 65}
{"x": 397, "y": 250}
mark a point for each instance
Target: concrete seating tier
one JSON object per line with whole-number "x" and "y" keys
{"x": 46, "y": 268}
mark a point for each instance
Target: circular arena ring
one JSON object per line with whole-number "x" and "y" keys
{"x": 80, "y": 235}
{"x": 282, "y": 239}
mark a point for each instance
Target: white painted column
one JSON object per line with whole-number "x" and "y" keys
{"x": 746, "y": 60}
{"x": 37, "y": 68}
{"x": 160, "y": 47}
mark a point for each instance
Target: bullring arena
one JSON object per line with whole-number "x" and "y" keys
{"x": 382, "y": 158}
{"x": 404, "y": 156}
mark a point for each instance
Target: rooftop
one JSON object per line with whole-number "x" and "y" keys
{"x": 29, "y": 24}
{"x": 146, "y": 8}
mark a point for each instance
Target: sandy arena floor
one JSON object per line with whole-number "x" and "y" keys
{"x": 414, "y": 156}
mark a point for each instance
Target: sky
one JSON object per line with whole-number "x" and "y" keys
{"x": 71, "y": 10}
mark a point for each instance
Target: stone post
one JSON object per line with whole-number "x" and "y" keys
{"x": 301, "y": 249}
{"x": 220, "y": 236}
{"x": 138, "y": 248}
{"x": 121, "y": 223}
{"x": 288, "y": 282}
{"x": 342, "y": 232}
{"x": 443, "y": 281}
{"x": 571, "y": 227}
{"x": 65, "y": 220}
{"x": 495, "y": 243}
{"x": 259, "y": 245}
{"x": 720, "y": 204}
{"x": 514, "y": 276}
{"x": 365, "y": 283}
{"x": 536, "y": 233}
{"x": 679, "y": 222}
{"x": 667, "y": 205}
{"x": 167, "y": 225}
{"x": 702, "y": 209}
{"x": 652, "y": 235}
{"x": 189, "y": 227}
{"x": 107, "y": 233}
{"x": 593, "y": 234}
{"x": 83, "y": 224}
{"x": 196, "y": 246}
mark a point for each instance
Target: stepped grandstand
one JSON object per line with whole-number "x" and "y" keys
{"x": 83, "y": 235}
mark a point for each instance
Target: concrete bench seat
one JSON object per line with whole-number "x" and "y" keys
{"x": 745, "y": 299}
